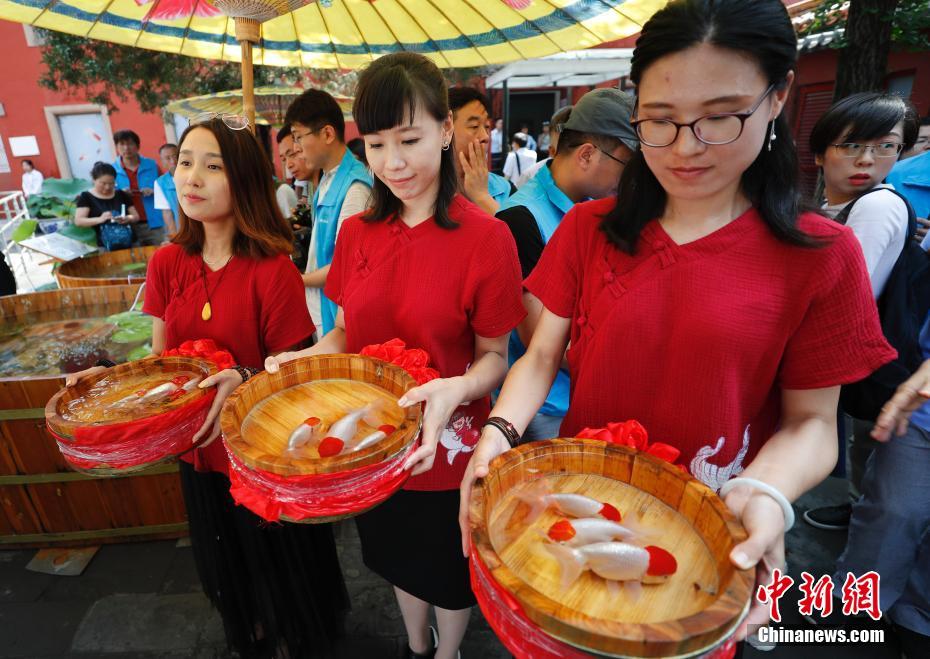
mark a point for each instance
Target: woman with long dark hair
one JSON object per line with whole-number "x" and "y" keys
{"x": 427, "y": 266}
{"x": 701, "y": 300}
{"x": 228, "y": 277}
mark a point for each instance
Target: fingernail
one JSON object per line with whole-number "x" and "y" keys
{"x": 741, "y": 560}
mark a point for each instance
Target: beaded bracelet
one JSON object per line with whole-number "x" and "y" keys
{"x": 507, "y": 429}
{"x": 245, "y": 372}
{"x": 106, "y": 363}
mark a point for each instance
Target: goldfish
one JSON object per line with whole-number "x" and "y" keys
{"x": 614, "y": 561}
{"x": 164, "y": 389}
{"x": 540, "y": 498}
{"x": 346, "y": 427}
{"x": 330, "y": 446}
{"x": 309, "y": 429}
{"x": 375, "y": 437}
{"x": 576, "y": 532}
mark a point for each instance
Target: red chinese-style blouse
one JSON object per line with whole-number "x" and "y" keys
{"x": 697, "y": 341}
{"x": 258, "y": 308}
{"x": 435, "y": 289}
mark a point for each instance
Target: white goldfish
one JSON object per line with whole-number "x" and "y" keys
{"x": 615, "y": 561}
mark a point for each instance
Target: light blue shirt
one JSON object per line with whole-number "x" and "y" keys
{"x": 146, "y": 175}
{"x": 548, "y": 204}
{"x": 911, "y": 178}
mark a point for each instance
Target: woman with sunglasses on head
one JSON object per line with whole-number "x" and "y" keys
{"x": 427, "y": 266}
{"x": 228, "y": 277}
{"x": 701, "y": 300}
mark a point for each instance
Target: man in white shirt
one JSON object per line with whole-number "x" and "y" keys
{"x": 519, "y": 160}
{"x": 32, "y": 179}
{"x": 497, "y": 145}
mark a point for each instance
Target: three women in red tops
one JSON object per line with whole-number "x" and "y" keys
{"x": 700, "y": 300}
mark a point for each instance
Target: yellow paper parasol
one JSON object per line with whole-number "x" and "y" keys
{"x": 271, "y": 104}
{"x": 343, "y": 34}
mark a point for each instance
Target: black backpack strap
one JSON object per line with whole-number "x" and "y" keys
{"x": 843, "y": 215}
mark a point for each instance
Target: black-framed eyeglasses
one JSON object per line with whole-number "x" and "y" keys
{"x": 882, "y": 150}
{"x": 231, "y": 120}
{"x": 614, "y": 158}
{"x": 713, "y": 129}
{"x": 297, "y": 137}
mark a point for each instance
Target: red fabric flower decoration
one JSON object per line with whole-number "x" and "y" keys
{"x": 387, "y": 352}
{"x": 205, "y": 349}
{"x": 631, "y": 433}
{"x": 415, "y": 361}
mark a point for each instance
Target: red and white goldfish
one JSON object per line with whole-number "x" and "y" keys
{"x": 540, "y": 497}
{"x": 577, "y": 532}
{"x": 310, "y": 429}
{"x": 346, "y": 427}
{"x": 374, "y": 438}
{"x": 614, "y": 561}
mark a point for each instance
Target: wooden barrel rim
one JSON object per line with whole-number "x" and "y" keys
{"x": 150, "y": 366}
{"x": 685, "y": 636}
{"x": 79, "y": 272}
{"x": 309, "y": 369}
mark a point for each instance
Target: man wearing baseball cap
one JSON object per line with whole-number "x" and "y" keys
{"x": 594, "y": 145}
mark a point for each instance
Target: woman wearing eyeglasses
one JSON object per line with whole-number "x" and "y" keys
{"x": 856, "y": 143}
{"x": 228, "y": 277}
{"x": 701, "y": 300}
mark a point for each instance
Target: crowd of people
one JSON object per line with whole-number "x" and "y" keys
{"x": 660, "y": 265}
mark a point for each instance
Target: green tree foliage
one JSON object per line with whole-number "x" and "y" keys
{"x": 910, "y": 21}
{"x": 872, "y": 29}
{"x": 109, "y": 72}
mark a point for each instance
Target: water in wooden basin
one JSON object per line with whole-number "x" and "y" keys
{"x": 521, "y": 546}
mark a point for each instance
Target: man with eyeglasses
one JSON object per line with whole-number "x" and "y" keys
{"x": 318, "y": 128}
{"x": 594, "y": 145}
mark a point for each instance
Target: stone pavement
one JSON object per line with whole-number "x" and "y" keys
{"x": 143, "y": 600}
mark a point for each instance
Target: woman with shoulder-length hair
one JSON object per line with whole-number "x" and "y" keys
{"x": 228, "y": 277}
{"x": 425, "y": 265}
{"x": 702, "y": 300}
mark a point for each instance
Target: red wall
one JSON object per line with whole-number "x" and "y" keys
{"x": 23, "y": 100}
{"x": 820, "y": 67}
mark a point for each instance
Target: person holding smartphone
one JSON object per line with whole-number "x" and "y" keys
{"x": 104, "y": 204}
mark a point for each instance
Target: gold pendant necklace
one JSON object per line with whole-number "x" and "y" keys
{"x": 206, "y": 313}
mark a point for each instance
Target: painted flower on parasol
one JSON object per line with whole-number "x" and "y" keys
{"x": 170, "y": 10}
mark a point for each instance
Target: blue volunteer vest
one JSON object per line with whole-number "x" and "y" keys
{"x": 326, "y": 221}
{"x": 166, "y": 181}
{"x": 548, "y": 204}
{"x": 146, "y": 175}
{"x": 498, "y": 187}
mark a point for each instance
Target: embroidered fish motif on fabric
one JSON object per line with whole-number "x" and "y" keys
{"x": 715, "y": 476}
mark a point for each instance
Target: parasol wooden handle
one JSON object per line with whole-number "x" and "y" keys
{"x": 248, "y": 31}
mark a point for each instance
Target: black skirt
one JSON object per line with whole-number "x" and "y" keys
{"x": 413, "y": 541}
{"x": 278, "y": 587}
